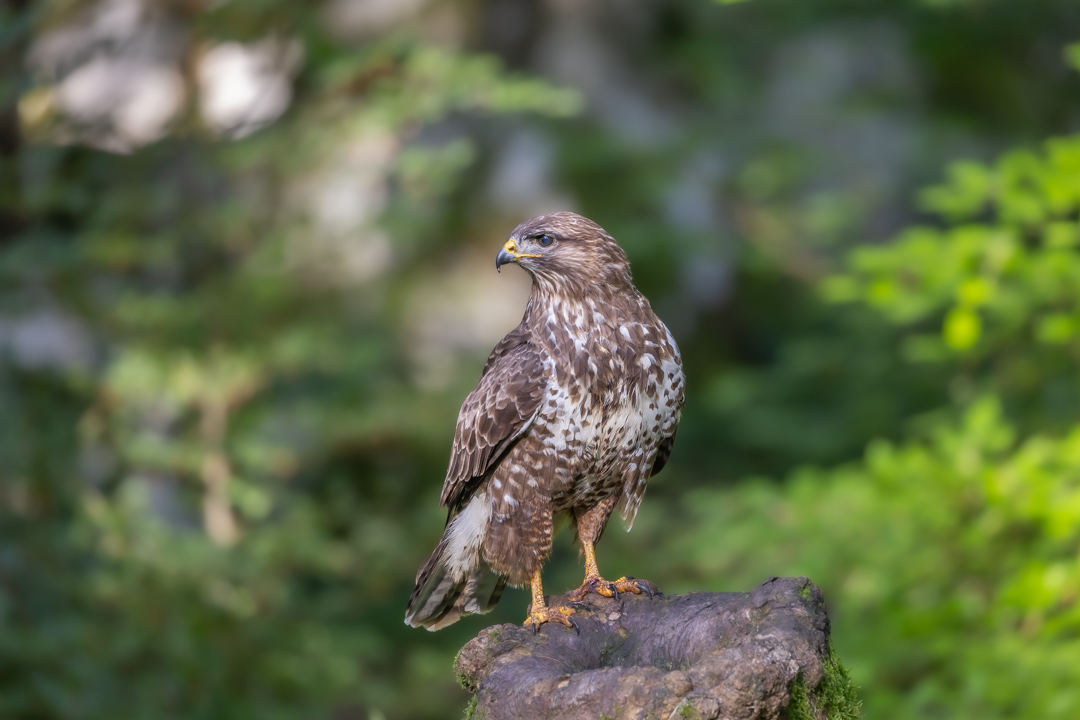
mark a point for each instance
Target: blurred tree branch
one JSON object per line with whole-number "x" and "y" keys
{"x": 15, "y": 21}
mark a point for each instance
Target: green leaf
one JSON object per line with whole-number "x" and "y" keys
{"x": 962, "y": 328}
{"x": 1056, "y": 329}
{"x": 965, "y": 193}
{"x": 1072, "y": 55}
{"x": 1062, "y": 234}
{"x": 974, "y": 292}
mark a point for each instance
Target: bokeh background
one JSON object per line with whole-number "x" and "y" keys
{"x": 246, "y": 279}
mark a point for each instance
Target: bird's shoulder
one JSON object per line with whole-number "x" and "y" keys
{"x": 518, "y": 344}
{"x": 496, "y": 413}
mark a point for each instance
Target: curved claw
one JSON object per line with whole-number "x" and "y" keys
{"x": 637, "y": 586}
{"x": 544, "y": 614}
{"x": 600, "y": 586}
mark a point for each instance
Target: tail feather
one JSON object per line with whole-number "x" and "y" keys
{"x": 482, "y": 591}
{"x": 439, "y": 600}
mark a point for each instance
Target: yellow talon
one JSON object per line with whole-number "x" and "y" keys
{"x": 594, "y": 583}
{"x": 540, "y": 613}
{"x": 545, "y": 614}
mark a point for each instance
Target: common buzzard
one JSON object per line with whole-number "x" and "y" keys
{"x": 576, "y": 409}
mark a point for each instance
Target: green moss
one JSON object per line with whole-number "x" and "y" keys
{"x": 605, "y": 654}
{"x": 462, "y": 679}
{"x": 470, "y": 710}
{"x": 804, "y": 593}
{"x": 836, "y": 696}
{"x": 687, "y": 711}
{"x": 614, "y": 713}
{"x": 800, "y": 707}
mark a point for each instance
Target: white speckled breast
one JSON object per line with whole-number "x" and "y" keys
{"x": 610, "y": 404}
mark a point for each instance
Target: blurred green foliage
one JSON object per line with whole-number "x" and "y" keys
{"x": 955, "y": 555}
{"x": 221, "y": 443}
{"x": 993, "y": 293}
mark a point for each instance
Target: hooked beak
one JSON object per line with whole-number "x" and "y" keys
{"x": 504, "y": 256}
{"x": 509, "y": 254}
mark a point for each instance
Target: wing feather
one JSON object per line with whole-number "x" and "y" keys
{"x": 663, "y": 453}
{"x": 495, "y": 414}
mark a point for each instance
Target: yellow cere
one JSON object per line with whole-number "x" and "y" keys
{"x": 511, "y": 248}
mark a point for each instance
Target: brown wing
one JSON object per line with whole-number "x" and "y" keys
{"x": 495, "y": 414}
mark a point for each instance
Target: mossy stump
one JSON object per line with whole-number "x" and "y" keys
{"x": 741, "y": 656}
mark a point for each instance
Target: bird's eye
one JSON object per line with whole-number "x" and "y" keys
{"x": 545, "y": 240}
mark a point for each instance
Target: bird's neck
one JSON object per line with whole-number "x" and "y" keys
{"x": 577, "y": 303}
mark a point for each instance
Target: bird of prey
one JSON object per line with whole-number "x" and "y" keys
{"x": 576, "y": 409}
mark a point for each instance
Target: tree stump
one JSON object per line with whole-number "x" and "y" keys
{"x": 756, "y": 655}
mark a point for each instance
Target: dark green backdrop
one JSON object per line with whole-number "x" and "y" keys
{"x": 232, "y": 346}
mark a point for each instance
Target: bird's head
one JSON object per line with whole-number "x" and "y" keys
{"x": 564, "y": 247}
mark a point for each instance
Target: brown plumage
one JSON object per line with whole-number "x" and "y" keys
{"x": 576, "y": 409}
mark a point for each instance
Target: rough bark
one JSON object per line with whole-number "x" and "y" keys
{"x": 761, "y": 654}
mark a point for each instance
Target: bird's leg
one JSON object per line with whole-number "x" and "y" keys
{"x": 540, "y": 613}
{"x": 594, "y": 583}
